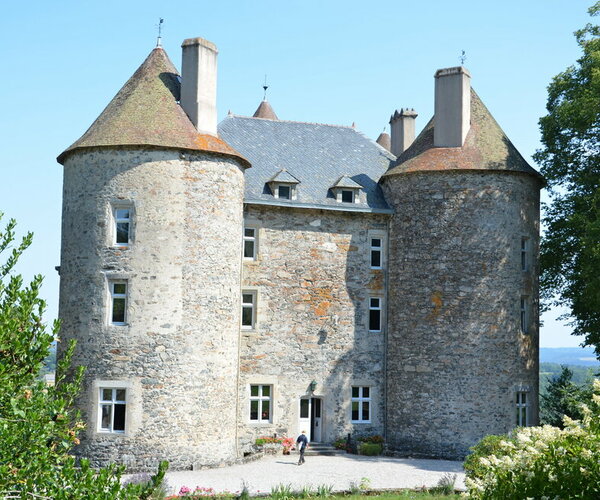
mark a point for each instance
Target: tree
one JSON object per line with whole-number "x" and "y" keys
{"x": 570, "y": 162}
{"x": 38, "y": 427}
{"x": 563, "y": 397}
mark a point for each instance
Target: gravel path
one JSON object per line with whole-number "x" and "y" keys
{"x": 338, "y": 471}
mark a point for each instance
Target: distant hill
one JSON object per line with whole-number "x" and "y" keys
{"x": 579, "y": 356}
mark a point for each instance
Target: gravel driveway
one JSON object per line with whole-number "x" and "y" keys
{"x": 338, "y": 471}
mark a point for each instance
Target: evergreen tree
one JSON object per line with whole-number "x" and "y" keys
{"x": 563, "y": 397}
{"x": 570, "y": 162}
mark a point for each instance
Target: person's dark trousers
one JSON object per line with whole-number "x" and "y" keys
{"x": 301, "y": 461}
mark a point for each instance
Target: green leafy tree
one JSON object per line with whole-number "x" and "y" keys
{"x": 563, "y": 397}
{"x": 570, "y": 162}
{"x": 38, "y": 427}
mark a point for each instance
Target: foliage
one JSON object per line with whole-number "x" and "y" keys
{"x": 445, "y": 486}
{"x": 201, "y": 492}
{"x": 570, "y": 162}
{"x": 377, "y": 439}
{"x": 282, "y": 492}
{"x": 341, "y": 444}
{"x": 489, "y": 445}
{"x": 370, "y": 449}
{"x": 38, "y": 428}
{"x": 543, "y": 461}
{"x": 562, "y": 397}
{"x": 286, "y": 442}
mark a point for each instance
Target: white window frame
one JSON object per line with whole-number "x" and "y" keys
{"x": 378, "y": 307}
{"x": 117, "y": 296}
{"x": 292, "y": 186}
{"x": 251, "y": 306}
{"x": 524, "y": 315}
{"x": 119, "y": 220}
{"x": 111, "y": 404}
{"x": 253, "y": 239}
{"x": 525, "y": 253}
{"x": 522, "y": 407}
{"x": 260, "y": 398}
{"x": 360, "y": 399}
{"x": 380, "y": 249}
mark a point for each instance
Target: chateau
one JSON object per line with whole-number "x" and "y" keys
{"x": 262, "y": 276}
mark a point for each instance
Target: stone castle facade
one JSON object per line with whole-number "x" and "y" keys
{"x": 268, "y": 276}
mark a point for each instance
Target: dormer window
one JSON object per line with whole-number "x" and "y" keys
{"x": 283, "y": 185}
{"x": 346, "y": 190}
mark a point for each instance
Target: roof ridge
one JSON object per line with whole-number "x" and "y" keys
{"x": 233, "y": 115}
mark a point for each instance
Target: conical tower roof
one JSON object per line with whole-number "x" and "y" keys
{"x": 486, "y": 147}
{"x": 146, "y": 112}
{"x": 265, "y": 110}
{"x": 385, "y": 141}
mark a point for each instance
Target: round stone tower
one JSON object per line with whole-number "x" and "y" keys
{"x": 462, "y": 346}
{"x": 150, "y": 270}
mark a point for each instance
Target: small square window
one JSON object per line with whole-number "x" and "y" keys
{"x": 376, "y": 253}
{"x": 347, "y": 196}
{"x": 284, "y": 192}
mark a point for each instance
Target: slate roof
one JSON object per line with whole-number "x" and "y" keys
{"x": 315, "y": 154}
{"x": 145, "y": 112}
{"x": 486, "y": 147}
{"x": 346, "y": 182}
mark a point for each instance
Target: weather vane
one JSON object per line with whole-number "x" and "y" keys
{"x": 159, "y": 26}
{"x": 463, "y": 58}
{"x": 265, "y": 87}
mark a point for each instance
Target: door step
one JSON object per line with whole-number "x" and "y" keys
{"x": 322, "y": 449}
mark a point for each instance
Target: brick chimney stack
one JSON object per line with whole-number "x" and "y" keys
{"x": 199, "y": 84}
{"x": 452, "y": 118}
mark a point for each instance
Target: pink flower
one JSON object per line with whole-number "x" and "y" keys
{"x": 184, "y": 490}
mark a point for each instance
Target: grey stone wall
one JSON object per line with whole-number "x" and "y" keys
{"x": 312, "y": 279}
{"x": 455, "y": 354}
{"x": 177, "y": 356}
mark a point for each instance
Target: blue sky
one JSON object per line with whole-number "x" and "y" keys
{"x": 327, "y": 61}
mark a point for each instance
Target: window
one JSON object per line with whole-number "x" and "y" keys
{"x": 118, "y": 302}
{"x": 361, "y": 404}
{"x": 347, "y": 196}
{"x": 284, "y": 192}
{"x": 122, "y": 227}
{"x": 113, "y": 404}
{"x": 524, "y": 315}
{"x": 248, "y": 309}
{"x": 376, "y": 253}
{"x": 524, "y": 254}
{"x": 522, "y": 407}
{"x": 250, "y": 237}
{"x": 260, "y": 403}
{"x": 374, "y": 314}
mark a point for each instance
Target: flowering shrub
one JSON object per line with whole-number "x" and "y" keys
{"x": 201, "y": 492}
{"x": 288, "y": 444}
{"x": 543, "y": 462}
{"x": 268, "y": 440}
{"x": 341, "y": 444}
{"x": 376, "y": 439}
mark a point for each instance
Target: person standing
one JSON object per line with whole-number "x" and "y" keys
{"x": 302, "y": 443}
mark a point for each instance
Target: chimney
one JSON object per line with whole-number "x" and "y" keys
{"x": 452, "y": 118}
{"x": 384, "y": 141}
{"x": 402, "y": 125}
{"x": 199, "y": 84}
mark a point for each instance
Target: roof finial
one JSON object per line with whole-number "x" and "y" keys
{"x": 463, "y": 58}
{"x": 265, "y": 87}
{"x": 159, "y": 26}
